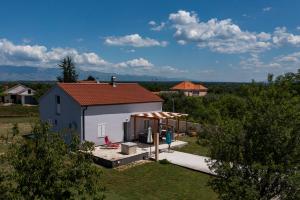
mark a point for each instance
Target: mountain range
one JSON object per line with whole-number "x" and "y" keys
{"x": 28, "y": 73}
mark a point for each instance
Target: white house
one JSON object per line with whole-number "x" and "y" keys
{"x": 19, "y": 94}
{"x": 96, "y": 110}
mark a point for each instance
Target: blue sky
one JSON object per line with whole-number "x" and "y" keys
{"x": 210, "y": 40}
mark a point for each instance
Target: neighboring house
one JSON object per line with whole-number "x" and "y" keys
{"x": 19, "y": 94}
{"x": 96, "y": 110}
{"x": 190, "y": 89}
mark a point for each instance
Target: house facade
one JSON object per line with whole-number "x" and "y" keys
{"x": 19, "y": 94}
{"x": 190, "y": 89}
{"x": 96, "y": 110}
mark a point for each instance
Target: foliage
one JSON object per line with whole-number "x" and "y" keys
{"x": 15, "y": 130}
{"x": 255, "y": 146}
{"x": 47, "y": 168}
{"x": 164, "y": 161}
{"x": 90, "y": 78}
{"x": 69, "y": 74}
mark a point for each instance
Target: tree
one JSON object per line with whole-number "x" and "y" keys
{"x": 256, "y": 155}
{"x": 69, "y": 74}
{"x": 45, "y": 167}
{"x": 91, "y": 78}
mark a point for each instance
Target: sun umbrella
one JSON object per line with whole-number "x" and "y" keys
{"x": 149, "y": 138}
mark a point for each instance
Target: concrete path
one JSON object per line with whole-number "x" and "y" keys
{"x": 187, "y": 160}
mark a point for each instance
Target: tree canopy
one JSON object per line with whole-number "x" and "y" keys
{"x": 255, "y": 145}
{"x": 69, "y": 74}
{"x": 45, "y": 167}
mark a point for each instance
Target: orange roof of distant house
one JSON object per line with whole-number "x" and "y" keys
{"x": 88, "y": 94}
{"x": 187, "y": 85}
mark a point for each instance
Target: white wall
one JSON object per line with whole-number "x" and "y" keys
{"x": 70, "y": 110}
{"x": 114, "y": 116}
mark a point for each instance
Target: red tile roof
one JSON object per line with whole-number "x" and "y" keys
{"x": 87, "y": 94}
{"x": 187, "y": 85}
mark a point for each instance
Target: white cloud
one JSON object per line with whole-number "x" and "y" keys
{"x": 266, "y": 9}
{"x": 40, "y": 56}
{"x": 134, "y": 40}
{"x": 293, "y": 58}
{"x": 26, "y": 40}
{"x": 157, "y": 27}
{"x": 298, "y": 28}
{"x": 281, "y": 37}
{"x": 218, "y": 35}
{"x": 279, "y": 64}
{"x": 136, "y": 63}
{"x": 224, "y": 36}
{"x": 183, "y": 17}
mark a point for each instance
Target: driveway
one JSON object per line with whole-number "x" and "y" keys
{"x": 187, "y": 160}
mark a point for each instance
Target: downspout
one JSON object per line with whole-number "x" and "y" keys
{"x": 83, "y": 122}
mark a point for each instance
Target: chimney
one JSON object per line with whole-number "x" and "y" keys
{"x": 113, "y": 81}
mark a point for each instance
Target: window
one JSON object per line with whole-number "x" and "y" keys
{"x": 57, "y": 100}
{"x": 101, "y": 129}
{"x": 146, "y": 124}
{"x": 29, "y": 91}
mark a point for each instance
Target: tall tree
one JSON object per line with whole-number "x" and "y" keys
{"x": 69, "y": 74}
{"x": 46, "y": 168}
{"x": 256, "y": 155}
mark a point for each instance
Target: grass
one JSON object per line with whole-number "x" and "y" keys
{"x": 19, "y": 111}
{"x": 156, "y": 181}
{"x": 193, "y": 146}
{"x": 5, "y": 130}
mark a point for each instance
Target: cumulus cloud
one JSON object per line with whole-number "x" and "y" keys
{"x": 157, "y": 27}
{"x": 136, "y": 63}
{"x": 224, "y": 36}
{"x": 218, "y": 35}
{"x": 41, "y": 57}
{"x": 266, "y": 9}
{"x": 293, "y": 58}
{"x": 281, "y": 37}
{"x": 134, "y": 40}
{"x": 279, "y": 64}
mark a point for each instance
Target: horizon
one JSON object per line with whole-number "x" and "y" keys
{"x": 207, "y": 41}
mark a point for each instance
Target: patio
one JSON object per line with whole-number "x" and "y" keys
{"x": 113, "y": 157}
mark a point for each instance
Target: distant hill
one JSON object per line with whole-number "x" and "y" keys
{"x": 25, "y": 73}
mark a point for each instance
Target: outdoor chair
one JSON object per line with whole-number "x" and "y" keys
{"x": 109, "y": 144}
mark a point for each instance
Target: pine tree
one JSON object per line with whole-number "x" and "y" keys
{"x": 69, "y": 74}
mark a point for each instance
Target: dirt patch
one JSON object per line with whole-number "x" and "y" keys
{"x": 131, "y": 165}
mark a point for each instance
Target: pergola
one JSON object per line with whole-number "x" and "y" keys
{"x": 157, "y": 116}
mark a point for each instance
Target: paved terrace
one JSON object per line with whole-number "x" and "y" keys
{"x": 115, "y": 154}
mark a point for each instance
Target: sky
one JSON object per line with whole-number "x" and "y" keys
{"x": 205, "y": 40}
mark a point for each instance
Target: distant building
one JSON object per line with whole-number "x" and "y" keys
{"x": 190, "y": 89}
{"x": 19, "y": 94}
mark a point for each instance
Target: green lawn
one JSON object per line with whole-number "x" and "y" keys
{"x": 156, "y": 181}
{"x": 193, "y": 146}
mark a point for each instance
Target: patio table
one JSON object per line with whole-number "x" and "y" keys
{"x": 128, "y": 148}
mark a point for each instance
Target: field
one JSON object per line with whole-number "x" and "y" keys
{"x": 157, "y": 181}
{"x": 149, "y": 180}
